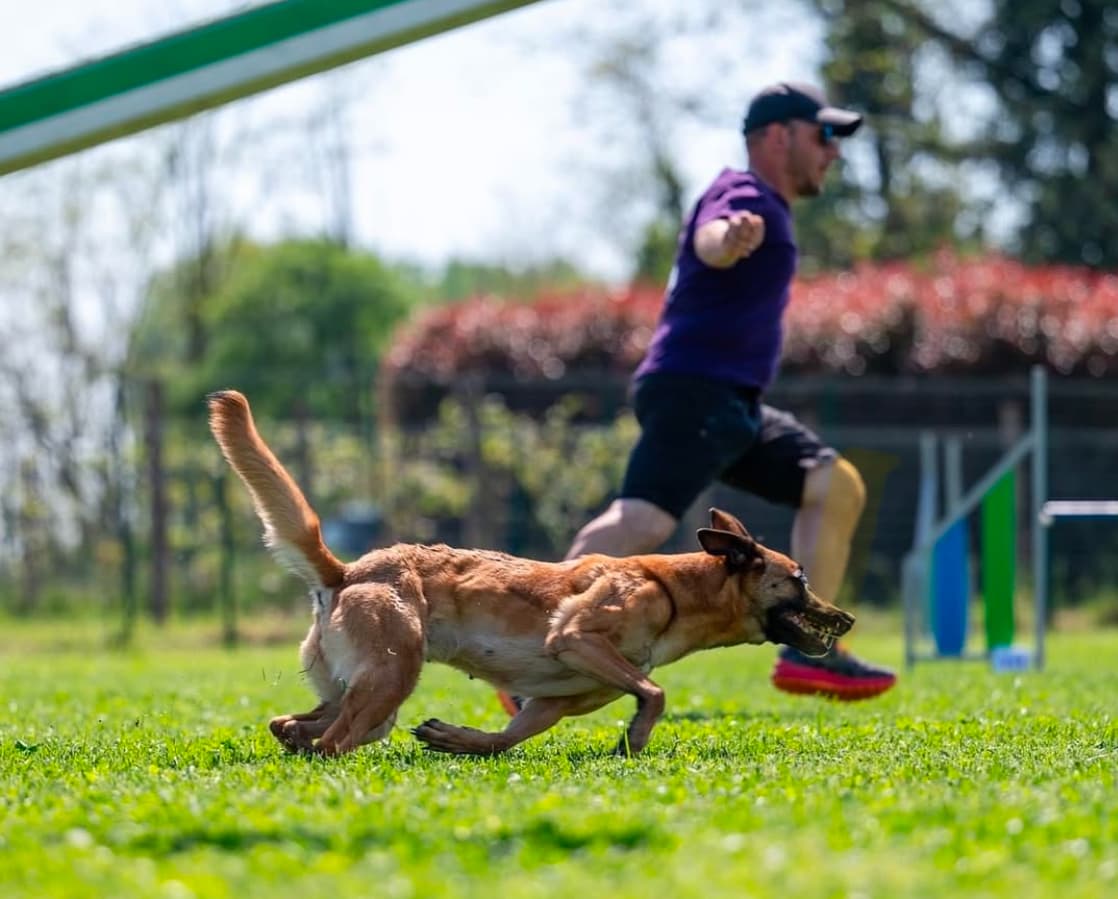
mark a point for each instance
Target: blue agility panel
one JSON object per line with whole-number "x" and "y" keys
{"x": 951, "y": 590}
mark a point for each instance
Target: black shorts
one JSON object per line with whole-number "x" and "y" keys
{"x": 695, "y": 431}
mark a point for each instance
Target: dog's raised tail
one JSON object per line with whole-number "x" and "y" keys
{"x": 291, "y": 528}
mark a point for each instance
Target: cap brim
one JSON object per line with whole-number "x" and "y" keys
{"x": 843, "y": 121}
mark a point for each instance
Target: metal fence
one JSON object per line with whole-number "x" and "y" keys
{"x": 214, "y": 545}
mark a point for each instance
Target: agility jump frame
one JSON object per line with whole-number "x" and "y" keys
{"x": 936, "y": 574}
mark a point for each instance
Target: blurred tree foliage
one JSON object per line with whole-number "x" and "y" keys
{"x": 1053, "y": 67}
{"x": 170, "y": 333}
{"x": 638, "y": 101}
{"x": 1038, "y": 82}
{"x": 544, "y": 476}
{"x": 906, "y": 200}
{"x": 304, "y": 325}
{"x": 299, "y": 325}
{"x": 461, "y": 278}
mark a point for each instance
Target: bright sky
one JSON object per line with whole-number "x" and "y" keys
{"x": 469, "y": 143}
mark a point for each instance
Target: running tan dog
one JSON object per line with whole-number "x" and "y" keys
{"x": 568, "y": 637}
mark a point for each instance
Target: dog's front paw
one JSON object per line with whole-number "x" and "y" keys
{"x": 627, "y": 746}
{"x": 439, "y": 736}
{"x": 433, "y": 734}
{"x": 622, "y": 750}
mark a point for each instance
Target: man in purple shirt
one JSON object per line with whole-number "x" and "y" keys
{"x": 698, "y": 392}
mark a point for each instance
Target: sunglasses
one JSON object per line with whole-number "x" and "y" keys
{"x": 826, "y": 133}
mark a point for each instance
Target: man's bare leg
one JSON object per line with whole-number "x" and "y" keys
{"x": 627, "y": 527}
{"x": 833, "y": 499}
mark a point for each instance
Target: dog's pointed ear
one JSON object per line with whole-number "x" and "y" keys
{"x": 740, "y": 551}
{"x": 724, "y": 521}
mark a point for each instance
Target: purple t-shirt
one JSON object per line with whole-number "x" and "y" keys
{"x": 726, "y": 323}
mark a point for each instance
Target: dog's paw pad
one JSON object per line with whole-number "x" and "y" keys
{"x": 437, "y": 735}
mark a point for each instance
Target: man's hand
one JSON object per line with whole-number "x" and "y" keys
{"x": 725, "y": 242}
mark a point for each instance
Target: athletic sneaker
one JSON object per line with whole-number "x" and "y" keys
{"x": 838, "y": 674}
{"x": 511, "y": 704}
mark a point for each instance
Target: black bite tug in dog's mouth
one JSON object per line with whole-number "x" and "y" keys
{"x": 811, "y": 632}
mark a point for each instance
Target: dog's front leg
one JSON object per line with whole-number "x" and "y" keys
{"x": 592, "y": 654}
{"x": 536, "y": 716}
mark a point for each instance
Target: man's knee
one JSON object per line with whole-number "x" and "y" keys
{"x": 627, "y": 527}
{"x": 837, "y": 488}
{"x": 648, "y": 523}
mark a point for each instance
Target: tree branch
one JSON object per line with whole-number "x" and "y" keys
{"x": 965, "y": 50}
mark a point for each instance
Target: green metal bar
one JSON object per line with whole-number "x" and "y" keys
{"x": 211, "y": 64}
{"x": 999, "y": 560}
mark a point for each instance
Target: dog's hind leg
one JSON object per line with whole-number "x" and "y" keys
{"x": 377, "y": 624}
{"x": 536, "y": 716}
{"x": 367, "y": 713}
{"x": 369, "y": 705}
{"x": 297, "y": 733}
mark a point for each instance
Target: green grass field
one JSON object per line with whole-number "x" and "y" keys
{"x": 151, "y": 773}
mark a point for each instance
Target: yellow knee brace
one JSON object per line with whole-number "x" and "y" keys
{"x": 845, "y": 499}
{"x": 838, "y": 495}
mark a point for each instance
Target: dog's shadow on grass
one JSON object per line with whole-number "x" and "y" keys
{"x": 234, "y": 839}
{"x": 704, "y": 716}
{"x": 712, "y": 716}
{"x": 356, "y": 838}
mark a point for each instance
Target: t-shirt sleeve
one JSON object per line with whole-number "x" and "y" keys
{"x": 720, "y": 202}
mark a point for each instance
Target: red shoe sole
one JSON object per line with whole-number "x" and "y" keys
{"x": 508, "y": 704}
{"x": 815, "y": 681}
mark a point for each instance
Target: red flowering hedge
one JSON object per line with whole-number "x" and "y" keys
{"x": 949, "y": 315}
{"x": 588, "y": 329}
{"x": 955, "y": 316}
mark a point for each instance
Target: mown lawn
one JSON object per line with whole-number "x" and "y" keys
{"x": 151, "y": 773}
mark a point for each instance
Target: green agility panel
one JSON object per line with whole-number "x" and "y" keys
{"x": 203, "y": 67}
{"x": 999, "y": 559}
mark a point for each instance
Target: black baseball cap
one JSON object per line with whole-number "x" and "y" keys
{"x": 793, "y": 100}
